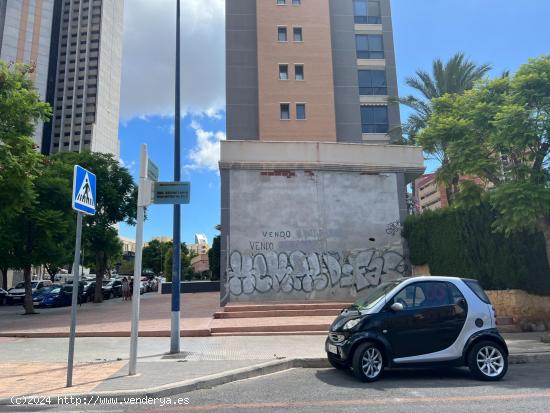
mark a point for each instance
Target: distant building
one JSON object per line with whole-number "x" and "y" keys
{"x": 128, "y": 246}
{"x": 163, "y": 239}
{"x": 201, "y": 246}
{"x": 200, "y": 263}
{"x": 429, "y": 195}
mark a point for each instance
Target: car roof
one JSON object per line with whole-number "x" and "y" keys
{"x": 436, "y": 278}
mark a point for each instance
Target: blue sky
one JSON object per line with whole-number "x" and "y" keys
{"x": 504, "y": 33}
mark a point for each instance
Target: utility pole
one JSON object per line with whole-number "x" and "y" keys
{"x": 176, "y": 260}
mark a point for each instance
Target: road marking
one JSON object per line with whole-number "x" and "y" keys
{"x": 357, "y": 402}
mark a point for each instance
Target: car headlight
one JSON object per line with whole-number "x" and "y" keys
{"x": 351, "y": 323}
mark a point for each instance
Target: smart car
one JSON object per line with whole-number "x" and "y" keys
{"x": 419, "y": 322}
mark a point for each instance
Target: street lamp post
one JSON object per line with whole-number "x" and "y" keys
{"x": 176, "y": 263}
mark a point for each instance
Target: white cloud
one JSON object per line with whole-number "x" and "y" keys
{"x": 149, "y": 57}
{"x": 128, "y": 165}
{"x": 206, "y": 153}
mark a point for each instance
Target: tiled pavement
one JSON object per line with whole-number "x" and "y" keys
{"x": 49, "y": 378}
{"x": 113, "y": 317}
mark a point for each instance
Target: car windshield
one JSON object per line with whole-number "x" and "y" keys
{"x": 20, "y": 285}
{"x": 45, "y": 289}
{"x": 107, "y": 282}
{"x": 373, "y": 296}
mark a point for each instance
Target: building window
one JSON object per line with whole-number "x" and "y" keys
{"x": 374, "y": 119}
{"x": 298, "y": 34}
{"x": 285, "y": 111}
{"x": 296, "y": 2}
{"x": 369, "y": 46}
{"x": 301, "y": 111}
{"x": 372, "y": 82}
{"x": 367, "y": 11}
{"x": 281, "y": 2}
{"x": 282, "y": 34}
{"x": 299, "y": 72}
{"x": 283, "y": 72}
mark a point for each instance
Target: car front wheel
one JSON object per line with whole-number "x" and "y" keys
{"x": 488, "y": 361}
{"x": 368, "y": 362}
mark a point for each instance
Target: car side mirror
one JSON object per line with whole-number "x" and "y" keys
{"x": 396, "y": 307}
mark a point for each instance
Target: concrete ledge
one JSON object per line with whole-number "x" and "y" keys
{"x": 375, "y": 158}
{"x": 257, "y": 370}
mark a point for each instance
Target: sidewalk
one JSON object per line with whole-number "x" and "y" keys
{"x": 112, "y": 318}
{"x": 210, "y": 361}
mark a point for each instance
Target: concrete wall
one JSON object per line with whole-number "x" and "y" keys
{"x": 520, "y": 305}
{"x": 309, "y": 234}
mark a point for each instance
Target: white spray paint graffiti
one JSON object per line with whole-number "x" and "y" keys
{"x": 276, "y": 273}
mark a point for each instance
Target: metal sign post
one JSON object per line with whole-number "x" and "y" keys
{"x": 148, "y": 171}
{"x": 176, "y": 261}
{"x": 84, "y": 202}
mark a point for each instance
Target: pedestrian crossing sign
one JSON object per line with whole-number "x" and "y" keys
{"x": 84, "y": 193}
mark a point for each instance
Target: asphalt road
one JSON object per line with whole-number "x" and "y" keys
{"x": 526, "y": 388}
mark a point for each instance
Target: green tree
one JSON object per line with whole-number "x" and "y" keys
{"x": 20, "y": 110}
{"x": 40, "y": 234}
{"x": 500, "y": 132}
{"x": 153, "y": 256}
{"x": 186, "y": 269}
{"x": 214, "y": 258}
{"x": 116, "y": 200}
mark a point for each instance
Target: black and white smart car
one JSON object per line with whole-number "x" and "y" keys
{"x": 419, "y": 322}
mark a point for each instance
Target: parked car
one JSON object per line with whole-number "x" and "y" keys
{"x": 419, "y": 321}
{"x": 39, "y": 295}
{"x": 59, "y": 297}
{"x": 88, "y": 291}
{"x": 112, "y": 288}
{"x": 16, "y": 295}
{"x": 3, "y": 295}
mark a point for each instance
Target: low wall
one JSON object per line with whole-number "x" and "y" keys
{"x": 192, "y": 287}
{"x": 520, "y": 305}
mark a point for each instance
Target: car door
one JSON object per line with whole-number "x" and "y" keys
{"x": 429, "y": 322}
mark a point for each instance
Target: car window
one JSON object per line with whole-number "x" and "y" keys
{"x": 478, "y": 290}
{"x": 411, "y": 296}
{"x": 34, "y": 284}
{"x": 426, "y": 294}
{"x": 455, "y": 293}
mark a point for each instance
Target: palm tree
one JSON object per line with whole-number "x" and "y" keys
{"x": 456, "y": 76}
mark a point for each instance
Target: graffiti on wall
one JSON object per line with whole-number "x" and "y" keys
{"x": 299, "y": 272}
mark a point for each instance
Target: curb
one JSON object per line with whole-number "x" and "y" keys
{"x": 218, "y": 379}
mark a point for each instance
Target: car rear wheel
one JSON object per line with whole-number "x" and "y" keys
{"x": 368, "y": 362}
{"x": 488, "y": 361}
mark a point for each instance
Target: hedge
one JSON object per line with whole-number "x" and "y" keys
{"x": 461, "y": 243}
